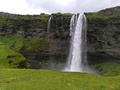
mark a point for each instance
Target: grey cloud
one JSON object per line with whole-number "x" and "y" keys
{"x": 47, "y": 5}
{"x": 75, "y": 6}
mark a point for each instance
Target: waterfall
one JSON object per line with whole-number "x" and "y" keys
{"x": 49, "y": 23}
{"x": 77, "y": 54}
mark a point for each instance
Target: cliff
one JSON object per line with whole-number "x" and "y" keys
{"x": 103, "y": 34}
{"x": 29, "y": 34}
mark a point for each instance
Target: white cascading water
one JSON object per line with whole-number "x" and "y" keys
{"x": 48, "y": 26}
{"x": 77, "y": 54}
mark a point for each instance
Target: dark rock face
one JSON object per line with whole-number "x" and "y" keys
{"x": 103, "y": 32}
{"x": 103, "y": 35}
{"x": 106, "y": 36}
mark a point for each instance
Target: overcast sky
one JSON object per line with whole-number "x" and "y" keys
{"x": 54, "y": 6}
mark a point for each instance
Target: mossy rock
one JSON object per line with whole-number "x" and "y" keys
{"x": 11, "y": 59}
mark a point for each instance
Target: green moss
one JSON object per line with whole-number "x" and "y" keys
{"x": 100, "y": 19}
{"x": 6, "y": 41}
{"x": 106, "y": 67}
{"x": 36, "y": 45}
{"x": 2, "y": 20}
{"x": 22, "y": 45}
{"x": 57, "y": 14}
{"x": 67, "y": 14}
{"x": 99, "y": 15}
{"x": 40, "y": 20}
{"x": 114, "y": 72}
{"x": 18, "y": 43}
{"x": 14, "y": 42}
{"x": 11, "y": 59}
{"x": 44, "y": 17}
{"x": 43, "y": 20}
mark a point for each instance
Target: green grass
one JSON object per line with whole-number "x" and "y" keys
{"x": 9, "y": 58}
{"x": 17, "y": 79}
{"x": 115, "y": 72}
{"x": 99, "y": 15}
{"x": 106, "y": 67}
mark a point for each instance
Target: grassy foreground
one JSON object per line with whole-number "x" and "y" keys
{"x": 26, "y": 79}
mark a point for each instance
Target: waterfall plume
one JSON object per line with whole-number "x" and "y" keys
{"x": 78, "y": 51}
{"x": 48, "y": 24}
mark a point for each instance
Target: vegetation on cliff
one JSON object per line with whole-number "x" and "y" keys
{"x": 11, "y": 59}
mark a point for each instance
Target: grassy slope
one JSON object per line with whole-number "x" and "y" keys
{"x": 107, "y": 67}
{"x": 9, "y": 58}
{"x": 15, "y": 42}
{"x": 3, "y": 61}
{"x": 14, "y": 79}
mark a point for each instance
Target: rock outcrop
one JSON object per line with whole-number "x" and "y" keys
{"x": 103, "y": 35}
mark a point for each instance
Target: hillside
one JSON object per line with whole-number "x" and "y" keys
{"x": 11, "y": 59}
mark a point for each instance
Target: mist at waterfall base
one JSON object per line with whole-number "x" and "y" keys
{"x": 77, "y": 59}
